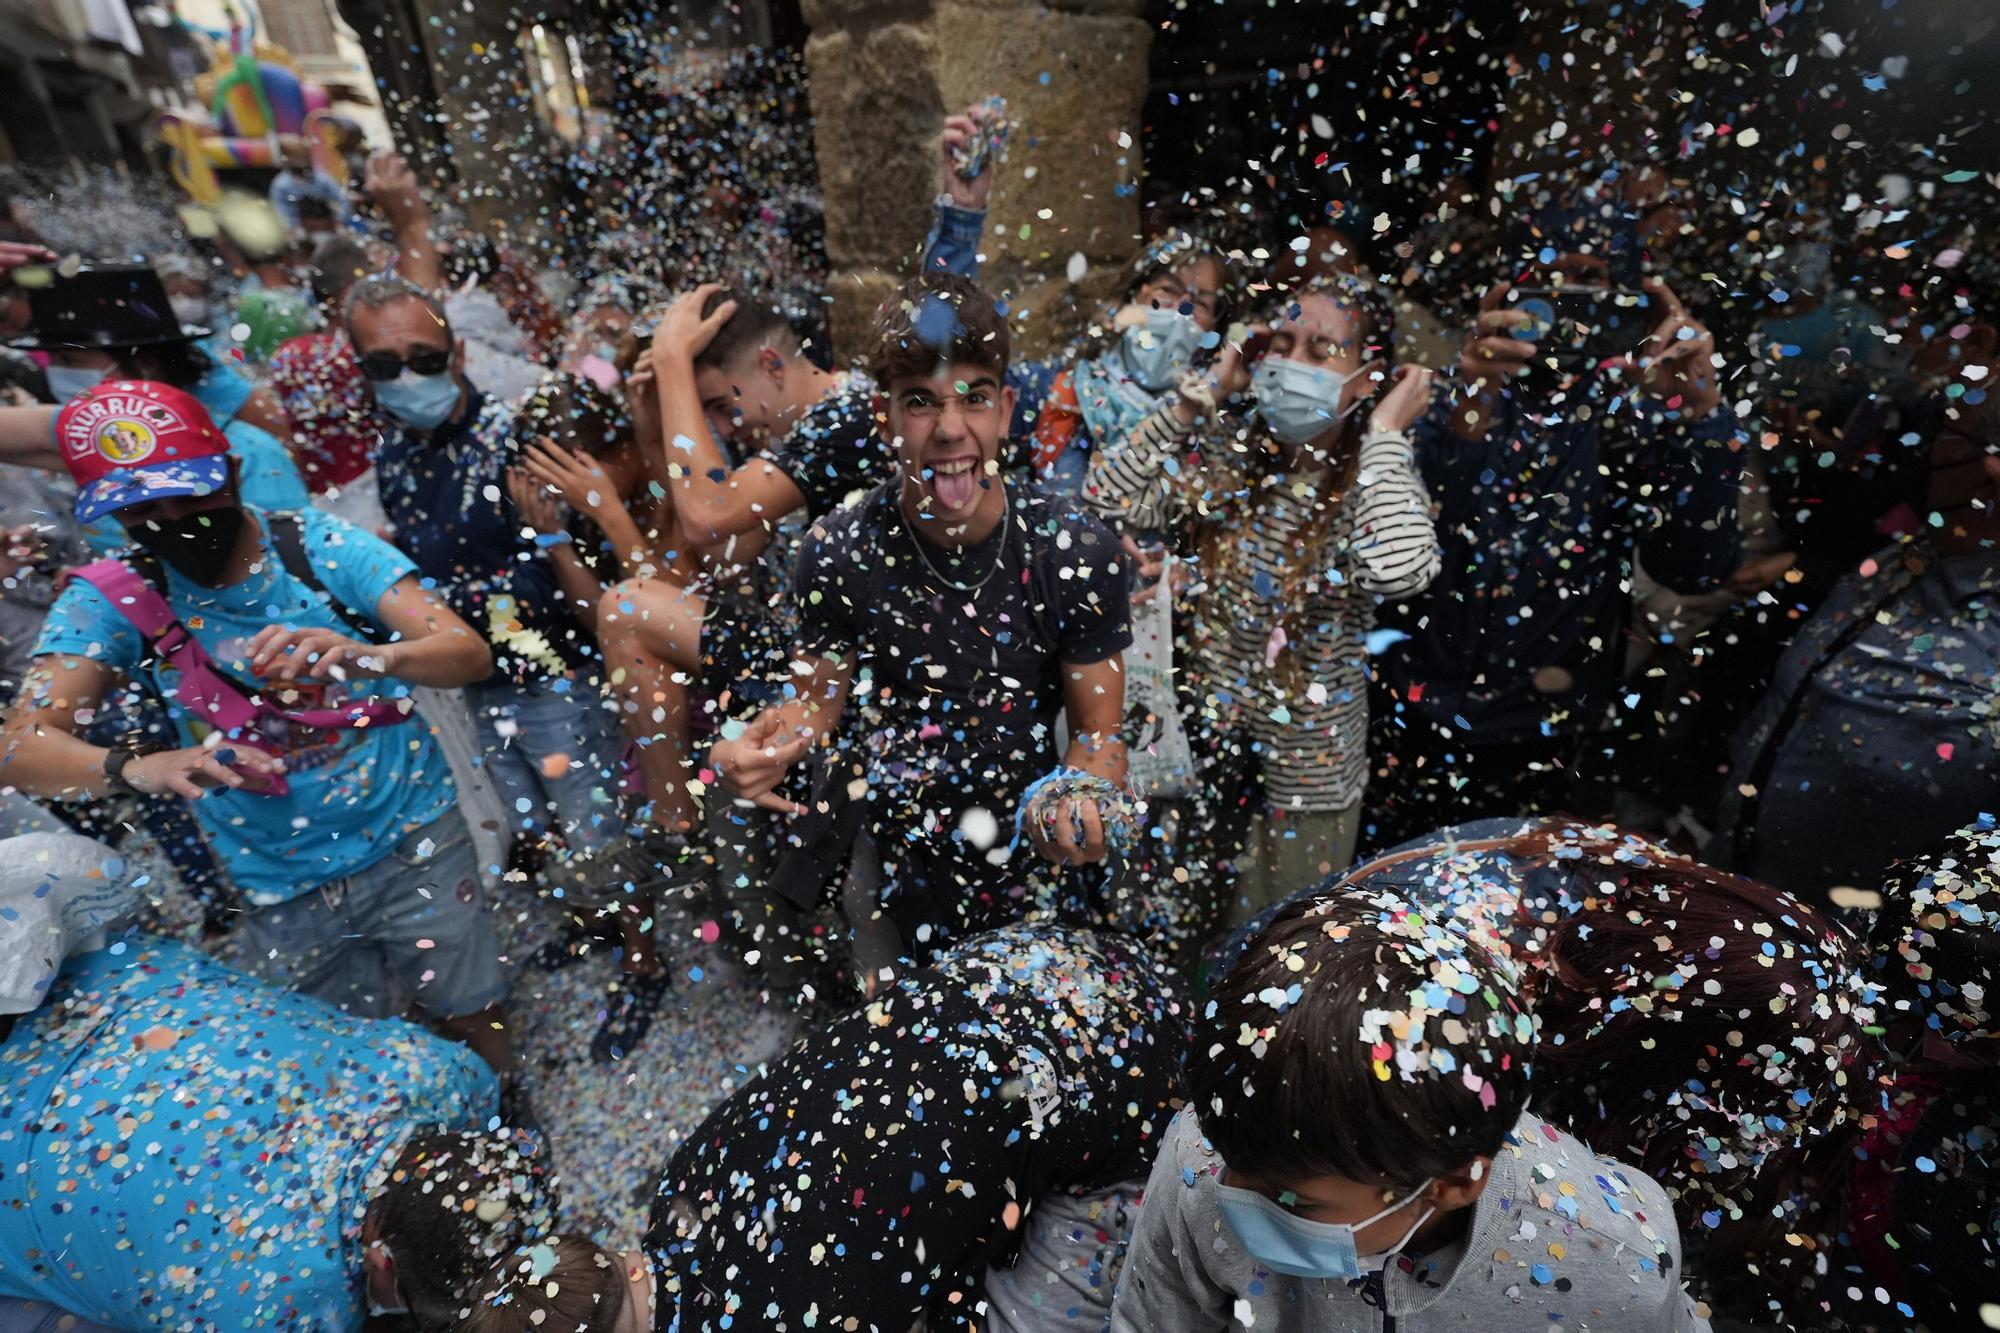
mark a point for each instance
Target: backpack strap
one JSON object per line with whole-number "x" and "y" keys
{"x": 202, "y": 690}
{"x": 288, "y": 533}
{"x": 136, "y": 597}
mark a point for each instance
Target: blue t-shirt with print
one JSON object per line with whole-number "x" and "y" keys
{"x": 183, "y": 1146}
{"x": 354, "y": 791}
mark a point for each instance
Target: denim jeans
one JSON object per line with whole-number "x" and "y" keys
{"x": 553, "y": 758}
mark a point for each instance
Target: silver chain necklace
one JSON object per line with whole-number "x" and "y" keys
{"x": 999, "y": 557}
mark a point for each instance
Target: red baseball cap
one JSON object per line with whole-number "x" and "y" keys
{"x": 130, "y": 441}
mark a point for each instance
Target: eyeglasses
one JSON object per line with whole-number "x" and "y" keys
{"x": 384, "y": 366}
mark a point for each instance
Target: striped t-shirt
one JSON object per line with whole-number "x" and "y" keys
{"x": 1293, "y": 677}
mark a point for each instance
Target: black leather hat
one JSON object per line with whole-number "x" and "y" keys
{"x": 109, "y": 305}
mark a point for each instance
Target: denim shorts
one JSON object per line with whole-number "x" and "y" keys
{"x": 413, "y": 925}
{"x": 553, "y": 757}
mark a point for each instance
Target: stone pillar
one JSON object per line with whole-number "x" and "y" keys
{"x": 883, "y": 74}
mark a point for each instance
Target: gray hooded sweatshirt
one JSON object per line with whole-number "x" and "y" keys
{"x": 1561, "y": 1238}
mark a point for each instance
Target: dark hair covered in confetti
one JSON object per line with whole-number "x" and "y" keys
{"x": 337, "y": 264}
{"x": 449, "y": 1207}
{"x": 574, "y": 413}
{"x": 1359, "y": 1038}
{"x": 1174, "y": 250}
{"x": 563, "y": 1284}
{"x": 1694, "y": 1022}
{"x": 756, "y": 323}
{"x": 1934, "y": 950}
{"x": 936, "y": 320}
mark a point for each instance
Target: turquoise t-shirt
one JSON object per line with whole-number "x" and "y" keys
{"x": 354, "y": 791}
{"x": 222, "y": 392}
{"x": 185, "y": 1147}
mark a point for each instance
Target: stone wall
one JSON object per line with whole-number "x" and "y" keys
{"x": 883, "y": 74}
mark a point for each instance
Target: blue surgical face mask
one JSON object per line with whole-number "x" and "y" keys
{"x": 420, "y": 401}
{"x": 1286, "y": 1243}
{"x": 67, "y": 382}
{"x": 1299, "y": 402}
{"x": 1158, "y": 351}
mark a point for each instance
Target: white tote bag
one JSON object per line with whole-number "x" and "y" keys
{"x": 1156, "y": 742}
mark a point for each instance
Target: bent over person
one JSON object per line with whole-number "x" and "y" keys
{"x": 185, "y": 1147}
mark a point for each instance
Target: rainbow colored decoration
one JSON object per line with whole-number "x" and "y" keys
{"x": 256, "y": 102}
{"x": 256, "y": 96}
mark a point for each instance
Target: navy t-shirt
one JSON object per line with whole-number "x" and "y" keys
{"x": 957, "y": 692}
{"x": 834, "y": 450}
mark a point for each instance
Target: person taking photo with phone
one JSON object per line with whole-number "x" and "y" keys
{"x": 1556, "y": 458}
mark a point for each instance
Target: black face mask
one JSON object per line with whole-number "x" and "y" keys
{"x": 199, "y": 546}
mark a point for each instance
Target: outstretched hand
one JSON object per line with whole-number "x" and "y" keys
{"x": 198, "y": 769}
{"x": 753, "y": 764}
{"x": 1408, "y": 398}
{"x": 960, "y": 131}
{"x": 393, "y": 186}
{"x": 1077, "y": 837}
{"x": 1677, "y": 362}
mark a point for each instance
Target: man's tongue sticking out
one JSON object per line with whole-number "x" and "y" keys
{"x": 955, "y": 483}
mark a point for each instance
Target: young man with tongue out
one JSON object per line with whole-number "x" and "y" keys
{"x": 946, "y": 621}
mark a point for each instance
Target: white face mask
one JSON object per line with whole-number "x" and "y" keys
{"x": 67, "y": 382}
{"x": 1159, "y": 350}
{"x": 1297, "y": 401}
{"x": 189, "y": 309}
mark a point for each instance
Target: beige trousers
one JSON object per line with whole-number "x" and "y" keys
{"x": 1290, "y": 850}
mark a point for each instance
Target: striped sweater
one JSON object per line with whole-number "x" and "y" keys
{"x": 1290, "y": 678}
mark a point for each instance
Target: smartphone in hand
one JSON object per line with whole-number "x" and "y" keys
{"x": 1581, "y": 329}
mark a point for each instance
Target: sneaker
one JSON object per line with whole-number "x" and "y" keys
{"x": 663, "y": 864}
{"x": 572, "y": 943}
{"x": 628, "y": 1015}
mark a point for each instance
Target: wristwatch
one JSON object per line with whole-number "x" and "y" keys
{"x": 114, "y": 769}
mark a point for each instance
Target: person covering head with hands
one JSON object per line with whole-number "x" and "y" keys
{"x": 1009, "y": 1207}
{"x": 1305, "y": 507}
{"x": 945, "y": 620}
{"x": 313, "y": 1200}
{"x": 751, "y": 432}
{"x": 287, "y": 643}
{"x": 1597, "y": 391}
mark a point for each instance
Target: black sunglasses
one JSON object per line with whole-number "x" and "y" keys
{"x": 384, "y": 366}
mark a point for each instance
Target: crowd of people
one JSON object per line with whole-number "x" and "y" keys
{"x": 1241, "y": 827}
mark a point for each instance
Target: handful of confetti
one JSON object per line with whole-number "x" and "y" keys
{"x": 989, "y": 145}
{"x": 1043, "y": 804}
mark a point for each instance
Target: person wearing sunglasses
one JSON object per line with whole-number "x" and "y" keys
{"x": 541, "y": 725}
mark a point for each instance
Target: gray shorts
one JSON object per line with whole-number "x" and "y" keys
{"x": 413, "y": 925}
{"x": 40, "y": 1317}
